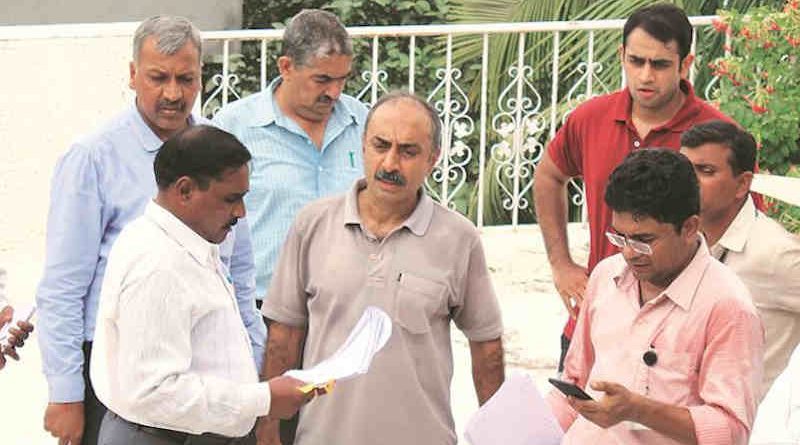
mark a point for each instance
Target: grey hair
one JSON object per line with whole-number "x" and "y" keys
{"x": 315, "y": 33}
{"x": 433, "y": 116}
{"x": 171, "y": 33}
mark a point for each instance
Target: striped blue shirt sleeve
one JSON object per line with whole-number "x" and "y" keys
{"x": 243, "y": 275}
{"x": 74, "y": 234}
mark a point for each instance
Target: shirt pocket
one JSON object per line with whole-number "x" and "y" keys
{"x": 674, "y": 378}
{"x": 419, "y": 300}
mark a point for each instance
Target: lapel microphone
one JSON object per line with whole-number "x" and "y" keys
{"x": 650, "y": 358}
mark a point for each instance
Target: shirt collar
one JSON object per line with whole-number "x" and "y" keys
{"x": 735, "y": 237}
{"x": 202, "y": 251}
{"x": 266, "y": 111}
{"x": 148, "y": 140}
{"x": 682, "y": 120}
{"x": 684, "y": 287}
{"x": 418, "y": 222}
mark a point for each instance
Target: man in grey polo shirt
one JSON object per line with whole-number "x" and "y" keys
{"x": 385, "y": 243}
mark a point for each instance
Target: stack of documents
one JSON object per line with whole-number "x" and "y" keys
{"x": 353, "y": 358}
{"x": 515, "y": 415}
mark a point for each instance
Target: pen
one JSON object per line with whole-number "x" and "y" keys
{"x": 352, "y": 155}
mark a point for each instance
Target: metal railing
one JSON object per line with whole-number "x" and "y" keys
{"x": 483, "y": 145}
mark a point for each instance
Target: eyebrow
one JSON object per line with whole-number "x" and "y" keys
{"x": 238, "y": 194}
{"x": 159, "y": 70}
{"x": 402, "y": 145}
{"x": 652, "y": 61}
{"x": 327, "y": 77}
{"x": 633, "y": 236}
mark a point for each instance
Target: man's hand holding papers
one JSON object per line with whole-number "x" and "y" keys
{"x": 353, "y": 358}
{"x": 287, "y": 397}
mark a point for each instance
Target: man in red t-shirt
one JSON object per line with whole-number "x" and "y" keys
{"x": 657, "y": 105}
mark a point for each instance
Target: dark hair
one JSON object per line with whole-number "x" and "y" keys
{"x": 742, "y": 156}
{"x": 665, "y": 22}
{"x": 430, "y": 112}
{"x": 655, "y": 182}
{"x": 201, "y": 152}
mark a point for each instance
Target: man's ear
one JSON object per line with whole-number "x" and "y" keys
{"x": 433, "y": 159}
{"x": 686, "y": 65}
{"x": 132, "y": 71}
{"x": 185, "y": 186}
{"x": 743, "y": 182}
{"x": 285, "y": 65}
{"x": 690, "y": 227}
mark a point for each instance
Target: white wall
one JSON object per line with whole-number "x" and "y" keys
{"x": 51, "y": 91}
{"x": 208, "y": 15}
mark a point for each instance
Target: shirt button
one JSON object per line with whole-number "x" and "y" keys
{"x": 320, "y": 168}
{"x": 374, "y": 257}
{"x": 636, "y": 144}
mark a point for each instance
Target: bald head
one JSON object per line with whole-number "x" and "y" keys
{"x": 435, "y": 124}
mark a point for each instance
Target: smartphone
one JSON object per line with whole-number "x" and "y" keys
{"x": 23, "y": 314}
{"x": 570, "y": 389}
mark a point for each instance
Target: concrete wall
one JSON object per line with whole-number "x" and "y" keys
{"x": 208, "y": 15}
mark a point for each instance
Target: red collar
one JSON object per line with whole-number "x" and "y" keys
{"x": 682, "y": 120}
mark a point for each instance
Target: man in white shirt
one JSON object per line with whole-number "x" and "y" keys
{"x": 173, "y": 361}
{"x": 778, "y": 419}
{"x": 762, "y": 253}
{"x": 18, "y": 333}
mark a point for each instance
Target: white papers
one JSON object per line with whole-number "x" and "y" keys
{"x": 515, "y": 415}
{"x": 354, "y": 357}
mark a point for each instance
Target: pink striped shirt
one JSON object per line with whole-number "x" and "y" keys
{"x": 708, "y": 339}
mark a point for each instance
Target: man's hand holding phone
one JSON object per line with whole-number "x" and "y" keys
{"x": 569, "y": 389}
{"x": 618, "y": 404}
{"x": 14, "y": 331}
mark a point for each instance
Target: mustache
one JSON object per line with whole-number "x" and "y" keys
{"x": 167, "y": 105}
{"x": 233, "y": 222}
{"x": 391, "y": 177}
{"x": 325, "y": 99}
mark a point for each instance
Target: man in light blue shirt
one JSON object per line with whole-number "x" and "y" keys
{"x": 303, "y": 133}
{"x": 102, "y": 183}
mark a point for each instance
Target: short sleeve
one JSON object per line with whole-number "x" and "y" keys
{"x": 286, "y": 299}
{"x": 565, "y": 148}
{"x": 479, "y": 314}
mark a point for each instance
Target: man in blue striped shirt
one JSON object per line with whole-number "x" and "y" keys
{"x": 303, "y": 133}
{"x": 101, "y": 184}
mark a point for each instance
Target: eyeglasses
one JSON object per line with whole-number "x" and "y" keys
{"x": 621, "y": 241}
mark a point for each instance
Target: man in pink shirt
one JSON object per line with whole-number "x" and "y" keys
{"x": 668, "y": 342}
